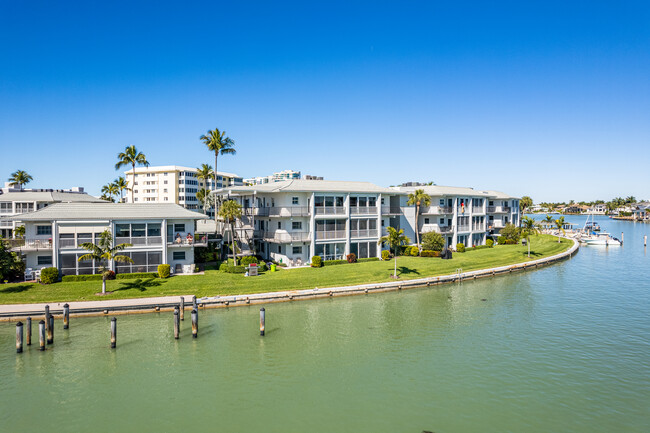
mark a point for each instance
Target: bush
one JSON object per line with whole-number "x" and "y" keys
{"x": 137, "y": 275}
{"x": 262, "y": 267}
{"x": 110, "y": 275}
{"x": 501, "y": 240}
{"x": 49, "y": 275}
{"x": 94, "y": 277}
{"x": 98, "y": 277}
{"x": 429, "y": 253}
{"x": 316, "y": 262}
{"x": 510, "y": 232}
{"x": 223, "y": 267}
{"x": 433, "y": 241}
{"x": 163, "y": 271}
{"x": 511, "y": 242}
{"x": 385, "y": 255}
{"x": 460, "y": 248}
{"x": 369, "y": 259}
{"x": 334, "y": 262}
{"x": 247, "y": 260}
{"x": 415, "y": 251}
{"x": 351, "y": 258}
{"x": 232, "y": 269}
{"x": 489, "y": 243}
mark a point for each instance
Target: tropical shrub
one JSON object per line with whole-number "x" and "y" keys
{"x": 232, "y": 269}
{"x": 110, "y": 275}
{"x": 429, "y": 253}
{"x": 510, "y": 232}
{"x": 433, "y": 241}
{"x": 460, "y": 247}
{"x": 11, "y": 265}
{"x": 223, "y": 267}
{"x": 385, "y": 255}
{"x": 247, "y": 260}
{"x": 415, "y": 251}
{"x": 262, "y": 267}
{"x": 49, "y": 275}
{"x": 334, "y": 262}
{"x": 351, "y": 258}
{"x": 163, "y": 271}
{"x": 316, "y": 262}
{"x": 489, "y": 243}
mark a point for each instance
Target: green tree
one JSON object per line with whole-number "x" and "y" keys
{"x": 20, "y": 178}
{"x": 217, "y": 142}
{"x": 394, "y": 240}
{"x": 418, "y": 198}
{"x": 559, "y": 224}
{"x": 104, "y": 253}
{"x": 548, "y": 219}
{"x": 108, "y": 191}
{"x": 629, "y": 200}
{"x": 510, "y": 232}
{"x": 525, "y": 203}
{"x": 204, "y": 173}
{"x": 121, "y": 184}
{"x": 11, "y": 265}
{"x": 433, "y": 241}
{"x": 131, "y": 157}
{"x": 19, "y": 232}
{"x": 529, "y": 227}
{"x": 230, "y": 211}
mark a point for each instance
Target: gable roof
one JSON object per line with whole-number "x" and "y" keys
{"x": 49, "y": 196}
{"x": 109, "y": 211}
{"x": 442, "y": 191}
{"x": 304, "y": 185}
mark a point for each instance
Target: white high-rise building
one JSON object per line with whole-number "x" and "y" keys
{"x": 275, "y": 177}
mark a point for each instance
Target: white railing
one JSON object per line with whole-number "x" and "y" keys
{"x": 363, "y": 210}
{"x": 286, "y": 237}
{"x": 463, "y": 228}
{"x": 37, "y": 244}
{"x": 363, "y": 233}
{"x": 436, "y": 210}
{"x": 331, "y": 234}
{"x": 391, "y": 210}
{"x": 139, "y": 241}
{"x": 330, "y": 210}
{"x": 446, "y": 229}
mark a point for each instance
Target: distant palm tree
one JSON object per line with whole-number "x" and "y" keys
{"x": 104, "y": 253}
{"x": 131, "y": 157}
{"x": 559, "y": 223}
{"x": 418, "y": 198}
{"x": 204, "y": 173}
{"x": 20, "y": 178}
{"x": 121, "y": 184}
{"x": 394, "y": 240}
{"x": 630, "y": 199}
{"x": 529, "y": 227}
{"x": 203, "y": 195}
{"x": 525, "y": 203}
{"x": 230, "y": 211}
{"x": 108, "y": 191}
{"x": 217, "y": 142}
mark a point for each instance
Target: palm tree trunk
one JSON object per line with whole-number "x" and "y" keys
{"x": 133, "y": 186}
{"x": 395, "y": 271}
{"x": 234, "y": 251}
{"x": 216, "y": 154}
{"x": 103, "y": 284}
{"x": 529, "y": 248}
{"x": 417, "y": 226}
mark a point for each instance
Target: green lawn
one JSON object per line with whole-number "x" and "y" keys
{"x": 217, "y": 283}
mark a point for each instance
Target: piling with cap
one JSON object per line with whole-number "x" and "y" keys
{"x": 194, "y": 305}
{"x": 622, "y": 237}
{"x": 66, "y": 316}
{"x": 29, "y": 331}
{"x": 50, "y": 329}
{"x": 41, "y": 334}
{"x": 177, "y": 323}
{"x": 113, "y": 333}
{"x": 19, "y": 337}
{"x": 47, "y": 318}
{"x": 645, "y": 240}
{"x": 182, "y": 308}
{"x": 262, "y": 320}
{"x": 195, "y": 323}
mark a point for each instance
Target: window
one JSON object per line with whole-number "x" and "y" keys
{"x": 280, "y": 249}
{"x": 442, "y": 221}
{"x": 43, "y": 230}
{"x": 279, "y": 225}
{"x": 296, "y": 225}
{"x": 5, "y": 207}
{"x": 297, "y": 250}
{"x": 122, "y": 230}
{"x": 44, "y": 260}
{"x": 426, "y": 220}
{"x": 294, "y": 200}
{"x": 165, "y": 190}
{"x": 166, "y": 198}
{"x": 153, "y": 229}
{"x": 179, "y": 255}
{"x": 179, "y": 227}
{"x": 442, "y": 202}
{"x": 135, "y": 199}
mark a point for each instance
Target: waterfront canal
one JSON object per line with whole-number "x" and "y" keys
{"x": 563, "y": 348}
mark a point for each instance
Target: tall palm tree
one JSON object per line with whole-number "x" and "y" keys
{"x": 217, "y": 142}
{"x": 131, "y": 157}
{"x": 104, "y": 253}
{"x": 394, "y": 240}
{"x": 525, "y": 203}
{"x": 204, "y": 173}
{"x": 108, "y": 191}
{"x": 529, "y": 227}
{"x": 418, "y": 198}
{"x": 20, "y": 178}
{"x": 230, "y": 211}
{"x": 559, "y": 223}
{"x": 121, "y": 184}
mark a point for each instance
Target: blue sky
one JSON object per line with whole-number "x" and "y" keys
{"x": 548, "y": 99}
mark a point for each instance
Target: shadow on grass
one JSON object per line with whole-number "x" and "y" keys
{"x": 141, "y": 285}
{"x": 16, "y": 289}
{"x": 532, "y": 254}
{"x": 403, "y": 270}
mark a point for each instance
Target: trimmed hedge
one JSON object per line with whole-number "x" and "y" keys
{"x": 163, "y": 271}
{"x": 316, "y": 262}
{"x": 460, "y": 248}
{"x": 334, "y": 262}
{"x": 98, "y": 277}
{"x": 429, "y": 253}
{"x": 247, "y": 260}
{"x": 49, "y": 275}
{"x": 501, "y": 240}
{"x": 369, "y": 259}
{"x": 489, "y": 243}
{"x": 232, "y": 269}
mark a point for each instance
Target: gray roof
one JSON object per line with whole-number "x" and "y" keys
{"x": 49, "y": 196}
{"x": 501, "y": 195}
{"x": 441, "y": 191}
{"x": 109, "y": 211}
{"x": 303, "y": 185}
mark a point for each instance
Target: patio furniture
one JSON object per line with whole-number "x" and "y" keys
{"x": 178, "y": 269}
{"x": 37, "y": 275}
{"x": 29, "y": 273}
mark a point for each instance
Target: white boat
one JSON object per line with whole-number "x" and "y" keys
{"x": 599, "y": 239}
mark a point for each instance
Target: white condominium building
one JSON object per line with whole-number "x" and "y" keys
{"x": 173, "y": 184}
{"x": 275, "y": 177}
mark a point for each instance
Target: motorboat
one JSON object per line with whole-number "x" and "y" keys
{"x": 599, "y": 239}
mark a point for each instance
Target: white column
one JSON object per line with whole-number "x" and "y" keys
{"x": 163, "y": 232}
{"x": 347, "y": 224}
{"x": 312, "y": 226}
{"x": 55, "y": 244}
{"x": 454, "y": 223}
{"x": 379, "y": 228}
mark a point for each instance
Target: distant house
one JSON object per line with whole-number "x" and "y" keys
{"x": 576, "y": 209}
{"x": 642, "y": 211}
{"x": 598, "y": 209}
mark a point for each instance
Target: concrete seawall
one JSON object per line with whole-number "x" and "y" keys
{"x": 167, "y": 303}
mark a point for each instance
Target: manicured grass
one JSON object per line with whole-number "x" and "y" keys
{"x": 217, "y": 283}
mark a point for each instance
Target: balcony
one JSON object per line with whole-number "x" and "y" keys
{"x": 184, "y": 241}
{"x": 436, "y": 210}
{"x": 331, "y": 234}
{"x": 139, "y": 241}
{"x": 446, "y": 229}
{"x": 496, "y": 224}
{"x": 277, "y": 211}
{"x": 330, "y": 210}
{"x": 29, "y": 244}
{"x": 363, "y": 210}
{"x": 286, "y": 237}
{"x": 463, "y": 228}
{"x": 364, "y": 233}
{"x": 499, "y": 209}
{"x": 391, "y": 210}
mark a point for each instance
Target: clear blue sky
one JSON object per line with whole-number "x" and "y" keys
{"x": 548, "y": 99}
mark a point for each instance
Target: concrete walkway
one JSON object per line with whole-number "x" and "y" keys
{"x": 145, "y": 305}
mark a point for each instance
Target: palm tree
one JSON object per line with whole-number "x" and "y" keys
{"x": 218, "y": 143}
{"x": 203, "y": 195}
{"x": 630, "y": 199}
{"x": 121, "y": 184}
{"x": 20, "y": 178}
{"x": 529, "y": 227}
{"x": 525, "y": 203}
{"x": 204, "y": 173}
{"x": 230, "y": 211}
{"x": 394, "y": 240}
{"x": 131, "y": 157}
{"x": 109, "y": 190}
{"x": 418, "y": 198}
{"x": 559, "y": 223}
{"x": 104, "y": 253}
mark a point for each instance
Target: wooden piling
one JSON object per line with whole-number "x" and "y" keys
{"x": 645, "y": 240}
{"x": 66, "y": 316}
{"x": 50, "y": 329}
{"x": 177, "y": 323}
{"x": 262, "y": 321}
{"x": 19, "y": 337}
{"x": 113, "y": 333}
{"x": 29, "y": 331}
{"x": 194, "y": 304}
{"x": 47, "y": 318}
{"x": 622, "y": 237}
{"x": 182, "y": 308}
{"x": 41, "y": 334}
{"x": 195, "y": 323}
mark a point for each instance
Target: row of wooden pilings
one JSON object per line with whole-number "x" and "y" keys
{"x": 46, "y": 326}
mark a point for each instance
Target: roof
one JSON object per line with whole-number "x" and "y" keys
{"x": 304, "y": 185}
{"x": 109, "y": 211}
{"x": 49, "y": 196}
{"x": 439, "y": 190}
{"x": 501, "y": 195}
{"x": 159, "y": 168}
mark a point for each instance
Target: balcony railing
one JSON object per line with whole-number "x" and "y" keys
{"x": 446, "y": 229}
{"x": 499, "y": 209}
{"x": 436, "y": 210}
{"x": 286, "y": 237}
{"x": 184, "y": 241}
{"x": 463, "y": 228}
{"x": 364, "y": 233}
{"x": 330, "y": 210}
{"x": 30, "y": 244}
{"x": 278, "y": 211}
{"x": 363, "y": 210}
{"x": 391, "y": 210}
{"x": 331, "y": 234}
{"x": 139, "y": 241}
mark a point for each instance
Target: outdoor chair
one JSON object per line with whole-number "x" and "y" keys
{"x": 29, "y": 273}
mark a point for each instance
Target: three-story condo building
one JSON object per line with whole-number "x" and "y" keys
{"x": 158, "y": 233}
{"x": 501, "y": 210}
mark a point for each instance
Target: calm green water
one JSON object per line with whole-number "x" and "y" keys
{"x": 561, "y": 349}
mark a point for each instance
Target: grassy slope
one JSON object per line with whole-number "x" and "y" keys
{"x": 216, "y": 283}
